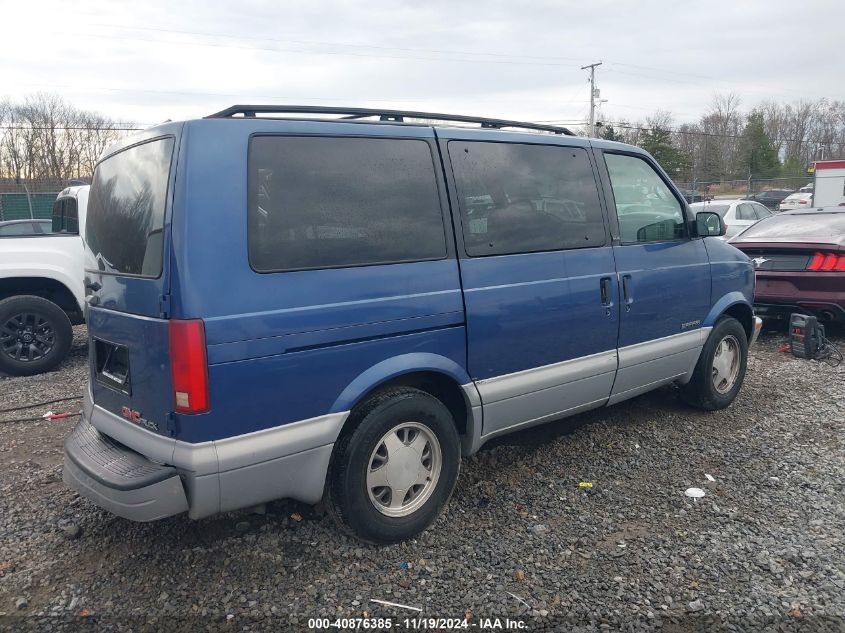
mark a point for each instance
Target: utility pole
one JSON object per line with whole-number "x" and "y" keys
{"x": 592, "y": 68}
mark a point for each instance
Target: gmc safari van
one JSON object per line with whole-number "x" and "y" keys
{"x": 287, "y": 304}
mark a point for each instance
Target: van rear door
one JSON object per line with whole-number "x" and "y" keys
{"x": 127, "y": 280}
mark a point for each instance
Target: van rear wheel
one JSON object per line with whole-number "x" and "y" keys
{"x": 720, "y": 370}
{"x": 35, "y": 335}
{"x": 393, "y": 473}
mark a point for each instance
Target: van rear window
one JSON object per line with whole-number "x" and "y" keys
{"x": 322, "y": 202}
{"x": 126, "y": 209}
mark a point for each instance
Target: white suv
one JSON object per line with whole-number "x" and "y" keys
{"x": 41, "y": 289}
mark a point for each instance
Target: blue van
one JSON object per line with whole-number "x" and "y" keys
{"x": 337, "y": 304}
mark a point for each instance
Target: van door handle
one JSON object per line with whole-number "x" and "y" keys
{"x": 604, "y": 285}
{"x": 626, "y": 291}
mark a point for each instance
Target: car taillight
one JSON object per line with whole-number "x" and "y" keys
{"x": 189, "y": 366}
{"x": 802, "y": 202}
{"x": 827, "y": 262}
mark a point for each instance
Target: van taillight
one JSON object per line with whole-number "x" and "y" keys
{"x": 189, "y": 366}
{"x": 827, "y": 262}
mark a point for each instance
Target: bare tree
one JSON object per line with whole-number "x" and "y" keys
{"x": 723, "y": 124}
{"x": 44, "y": 137}
{"x": 799, "y": 121}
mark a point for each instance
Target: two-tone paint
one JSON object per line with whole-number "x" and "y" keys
{"x": 511, "y": 340}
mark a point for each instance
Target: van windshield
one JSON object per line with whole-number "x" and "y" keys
{"x": 126, "y": 206}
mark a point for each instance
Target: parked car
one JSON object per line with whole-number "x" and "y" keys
{"x": 694, "y": 196}
{"x": 771, "y": 198}
{"x": 796, "y": 201}
{"x": 341, "y": 308}
{"x": 799, "y": 259}
{"x": 25, "y": 227}
{"x": 41, "y": 292}
{"x": 808, "y": 188}
{"x": 737, "y": 215}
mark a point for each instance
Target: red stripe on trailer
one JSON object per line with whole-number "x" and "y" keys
{"x": 830, "y": 164}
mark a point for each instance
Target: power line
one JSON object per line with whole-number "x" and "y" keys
{"x": 242, "y": 96}
{"x": 238, "y": 95}
{"x": 667, "y": 72}
{"x": 617, "y": 124}
{"x": 742, "y": 86}
{"x": 559, "y": 121}
{"x": 500, "y": 58}
{"x": 317, "y": 52}
{"x": 326, "y": 43}
{"x": 65, "y": 128}
{"x": 548, "y": 60}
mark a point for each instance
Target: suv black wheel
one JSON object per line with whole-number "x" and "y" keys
{"x": 393, "y": 473}
{"x": 35, "y": 335}
{"x": 720, "y": 369}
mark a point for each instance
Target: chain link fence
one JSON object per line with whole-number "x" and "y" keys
{"x": 20, "y": 200}
{"x": 746, "y": 187}
{"x": 33, "y": 199}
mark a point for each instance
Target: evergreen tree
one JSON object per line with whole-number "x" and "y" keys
{"x": 658, "y": 142}
{"x": 759, "y": 156}
{"x": 792, "y": 168}
{"x": 609, "y": 134}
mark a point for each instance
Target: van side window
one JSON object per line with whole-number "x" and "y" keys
{"x": 321, "y": 202}
{"x": 520, "y": 198}
{"x": 645, "y": 206}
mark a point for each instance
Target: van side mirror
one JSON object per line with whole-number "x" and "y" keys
{"x": 709, "y": 224}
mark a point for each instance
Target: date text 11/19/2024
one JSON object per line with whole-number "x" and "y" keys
{"x": 416, "y": 624}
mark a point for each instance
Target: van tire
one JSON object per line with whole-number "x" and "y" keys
{"x": 701, "y": 391}
{"x": 53, "y": 317}
{"x": 348, "y": 499}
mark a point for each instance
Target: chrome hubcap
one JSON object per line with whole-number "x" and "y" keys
{"x": 404, "y": 469}
{"x": 726, "y": 364}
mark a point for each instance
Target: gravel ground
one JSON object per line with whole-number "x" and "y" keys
{"x": 763, "y": 550}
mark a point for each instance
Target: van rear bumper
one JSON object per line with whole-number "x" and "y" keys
{"x": 120, "y": 480}
{"x": 140, "y": 475}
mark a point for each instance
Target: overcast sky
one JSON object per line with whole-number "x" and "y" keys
{"x": 154, "y": 60}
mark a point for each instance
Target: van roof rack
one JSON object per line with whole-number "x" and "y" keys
{"x": 397, "y": 116}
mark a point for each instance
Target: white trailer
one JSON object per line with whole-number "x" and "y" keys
{"x": 829, "y": 183}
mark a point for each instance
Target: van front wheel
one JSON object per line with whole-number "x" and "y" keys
{"x": 720, "y": 370}
{"x": 393, "y": 473}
